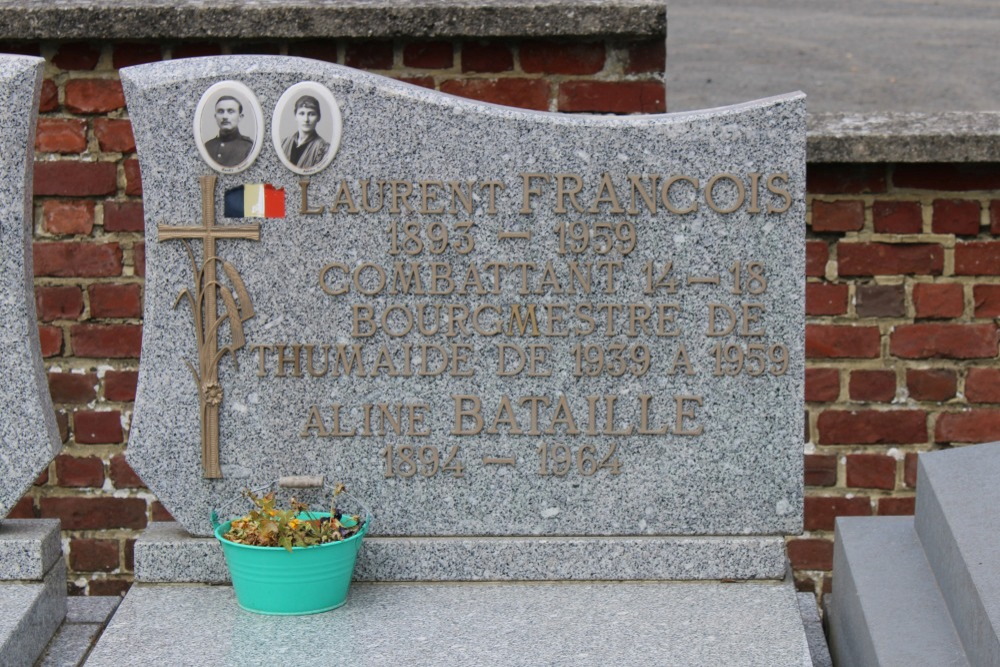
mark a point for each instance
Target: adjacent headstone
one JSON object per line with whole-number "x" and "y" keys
{"x": 939, "y": 564}
{"x": 540, "y": 346}
{"x": 32, "y": 573}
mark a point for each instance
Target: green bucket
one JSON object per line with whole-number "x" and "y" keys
{"x": 305, "y": 580}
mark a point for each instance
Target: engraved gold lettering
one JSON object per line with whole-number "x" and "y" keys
{"x": 665, "y": 195}
{"x": 521, "y": 321}
{"x": 681, "y": 357}
{"x": 343, "y": 198}
{"x": 563, "y": 416}
{"x": 609, "y": 266}
{"x": 371, "y": 208}
{"x": 295, "y": 362}
{"x": 562, "y": 192}
{"x": 492, "y": 187}
{"x": 305, "y": 209}
{"x": 606, "y": 195}
{"x": 472, "y": 280}
{"x": 505, "y": 415}
{"x": 261, "y": 350}
{"x": 534, "y": 402}
{"x": 314, "y": 422}
{"x": 648, "y": 196}
{"x": 428, "y": 196}
{"x": 751, "y": 317}
{"x": 754, "y": 192}
{"x": 687, "y": 412}
{"x": 400, "y": 192}
{"x": 710, "y": 193}
{"x": 578, "y": 277}
{"x": 644, "y": 427}
{"x": 527, "y": 190}
{"x": 713, "y": 330}
{"x": 462, "y": 413}
{"x": 324, "y": 282}
{"x": 458, "y": 196}
{"x": 774, "y": 181}
{"x": 609, "y": 424}
{"x": 664, "y": 317}
{"x": 361, "y": 284}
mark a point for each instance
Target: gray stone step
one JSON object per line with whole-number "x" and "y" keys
{"x": 30, "y": 613}
{"x": 566, "y": 623}
{"x": 958, "y": 521}
{"x": 886, "y": 608}
{"x": 85, "y": 619}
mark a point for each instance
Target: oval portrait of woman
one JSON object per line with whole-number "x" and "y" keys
{"x": 229, "y": 127}
{"x": 305, "y": 127}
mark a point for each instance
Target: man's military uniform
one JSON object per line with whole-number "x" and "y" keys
{"x": 229, "y": 148}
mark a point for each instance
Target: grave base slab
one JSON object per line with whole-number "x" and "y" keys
{"x": 593, "y": 623}
{"x": 30, "y": 613}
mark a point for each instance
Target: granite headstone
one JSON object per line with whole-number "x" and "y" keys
{"x": 32, "y": 573}
{"x": 29, "y": 438}
{"x": 506, "y": 323}
{"x": 541, "y": 347}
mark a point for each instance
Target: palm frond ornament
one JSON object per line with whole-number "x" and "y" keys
{"x": 204, "y": 299}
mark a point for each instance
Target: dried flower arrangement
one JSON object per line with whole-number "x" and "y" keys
{"x": 269, "y": 526}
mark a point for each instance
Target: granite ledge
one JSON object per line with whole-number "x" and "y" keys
{"x": 165, "y": 553}
{"x": 956, "y": 136}
{"x": 304, "y": 19}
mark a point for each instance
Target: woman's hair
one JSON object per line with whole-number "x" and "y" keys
{"x": 310, "y": 102}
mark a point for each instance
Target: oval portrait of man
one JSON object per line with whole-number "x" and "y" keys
{"x": 229, "y": 127}
{"x": 305, "y": 127}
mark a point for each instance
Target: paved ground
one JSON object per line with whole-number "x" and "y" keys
{"x": 847, "y": 55}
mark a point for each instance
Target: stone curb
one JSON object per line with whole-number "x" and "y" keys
{"x": 904, "y": 137}
{"x": 305, "y": 19}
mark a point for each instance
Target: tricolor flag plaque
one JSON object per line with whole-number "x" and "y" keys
{"x": 255, "y": 200}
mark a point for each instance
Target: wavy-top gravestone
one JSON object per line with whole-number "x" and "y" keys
{"x": 29, "y": 438}
{"x": 485, "y": 321}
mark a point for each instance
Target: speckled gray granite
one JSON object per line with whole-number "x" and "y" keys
{"x": 166, "y": 553}
{"x": 814, "y": 630}
{"x": 91, "y": 608}
{"x": 468, "y": 624}
{"x": 86, "y": 617}
{"x": 70, "y": 645}
{"x": 28, "y": 548}
{"x": 740, "y": 475}
{"x": 236, "y": 19}
{"x": 568, "y": 558}
{"x": 30, "y": 613}
{"x": 904, "y": 137}
{"x": 29, "y": 438}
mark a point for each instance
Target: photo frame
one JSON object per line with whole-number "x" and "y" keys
{"x": 306, "y": 146}
{"x": 229, "y": 127}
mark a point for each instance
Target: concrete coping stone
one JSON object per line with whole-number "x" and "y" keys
{"x": 955, "y": 136}
{"x": 306, "y": 19}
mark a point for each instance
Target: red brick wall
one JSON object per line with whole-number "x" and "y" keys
{"x": 903, "y": 292}
{"x": 903, "y": 266}
{"x": 89, "y": 252}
